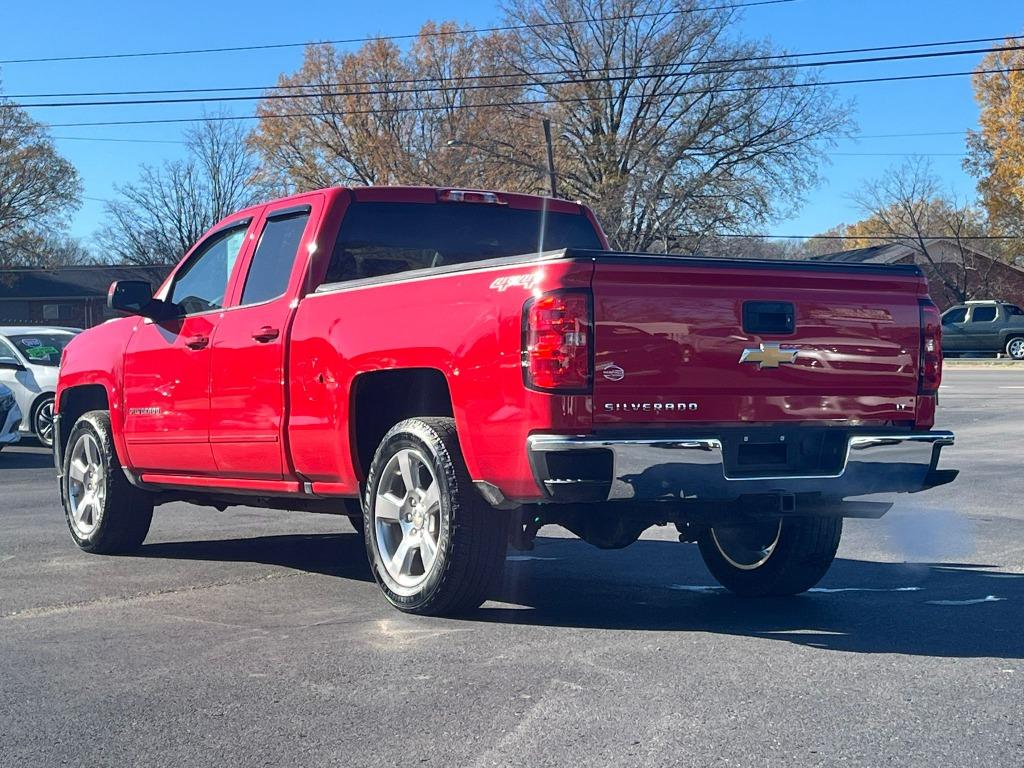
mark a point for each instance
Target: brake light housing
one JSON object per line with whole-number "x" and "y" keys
{"x": 558, "y": 348}
{"x": 930, "y": 377}
{"x": 469, "y": 196}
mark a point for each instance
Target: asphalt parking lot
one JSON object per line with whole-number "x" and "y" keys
{"x": 253, "y": 637}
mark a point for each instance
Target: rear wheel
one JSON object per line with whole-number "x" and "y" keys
{"x": 1015, "y": 348}
{"x": 783, "y": 556}
{"x": 435, "y": 546}
{"x": 105, "y": 513}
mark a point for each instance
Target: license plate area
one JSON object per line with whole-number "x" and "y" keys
{"x": 796, "y": 452}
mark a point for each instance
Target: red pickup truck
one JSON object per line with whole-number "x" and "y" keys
{"x": 454, "y": 369}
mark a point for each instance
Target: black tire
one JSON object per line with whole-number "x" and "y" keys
{"x": 471, "y": 535}
{"x": 803, "y": 551}
{"x": 354, "y": 513}
{"x": 125, "y": 512}
{"x": 1015, "y": 348}
{"x": 40, "y": 422}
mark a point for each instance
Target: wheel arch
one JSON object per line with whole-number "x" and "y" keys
{"x": 73, "y": 402}
{"x": 381, "y": 399}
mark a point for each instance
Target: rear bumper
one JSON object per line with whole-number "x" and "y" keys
{"x": 695, "y": 468}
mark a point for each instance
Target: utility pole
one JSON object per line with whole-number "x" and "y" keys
{"x": 551, "y": 158}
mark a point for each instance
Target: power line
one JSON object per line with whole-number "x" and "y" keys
{"x": 490, "y": 76}
{"x": 528, "y": 84}
{"x": 410, "y": 36}
{"x": 119, "y": 140}
{"x": 885, "y": 238}
{"x": 538, "y": 102}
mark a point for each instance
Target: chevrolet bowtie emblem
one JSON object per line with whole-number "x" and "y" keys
{"x": 769, "y": 355}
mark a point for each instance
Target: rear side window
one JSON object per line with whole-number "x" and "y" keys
{"x": 275, "y": 255}
{"x": 386, "y": 238}
{"x": 983, "y": 314}
{"x": 957, "y": 315}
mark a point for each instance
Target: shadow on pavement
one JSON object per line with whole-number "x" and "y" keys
{"x": 941, "y": 609}
{"x": 927, "y": 609}
{"x": 19, "y": 458}
{"x": 330, "y": 554}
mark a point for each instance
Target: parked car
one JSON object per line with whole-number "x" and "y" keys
{"x": 29, "y": 361}
{"x": 984, "y": 327}
{"x": 10, "y": 418}
{"x": 454, "y": 369}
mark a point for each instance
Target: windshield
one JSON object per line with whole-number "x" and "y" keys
{"x": 385, "y": 238}
{"x": 42, "y": 348}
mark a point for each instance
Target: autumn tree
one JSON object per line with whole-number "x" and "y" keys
{"x": 907, "y": 205}
{"x": 39, "y": 189}
{"x": 996, "y": 150}
{"x": 435, "y": 113}
{"x": 157, "y": 218}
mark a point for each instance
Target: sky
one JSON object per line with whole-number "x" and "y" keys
{"x": 71, "y": 27}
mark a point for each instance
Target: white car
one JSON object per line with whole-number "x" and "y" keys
{"x": 10, "y": 418}
{"x": 29, "y": 362}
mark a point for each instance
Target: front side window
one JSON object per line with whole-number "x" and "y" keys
{"x": 7, "y": 353}
{"x": 983, "y": 314}
{"x": 201, "y": 284}
{"x": 1013, "y": 309}
{"x": 275, "y": 255}
{"x": 957, "y": 315}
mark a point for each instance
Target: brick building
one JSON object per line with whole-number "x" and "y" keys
{"x": 986, "y": 278}
{"x": 68, "y": 296}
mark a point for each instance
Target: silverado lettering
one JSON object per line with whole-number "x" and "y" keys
{"x": 360, "y": 352}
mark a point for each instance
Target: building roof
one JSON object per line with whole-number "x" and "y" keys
{"x": 79, "y": 282}
{"x": 872, "y": 253}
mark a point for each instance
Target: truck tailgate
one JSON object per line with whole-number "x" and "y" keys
{"x": 699, "y": 341}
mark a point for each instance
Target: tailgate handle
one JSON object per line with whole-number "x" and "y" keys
{"x": 768, "y": 317}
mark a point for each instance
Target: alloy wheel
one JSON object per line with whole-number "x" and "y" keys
{"x": 44, "y": 423}
{"x": 407, "y": 518}
{"x": 87, "y": 487}
{"x": 748, "y": 547}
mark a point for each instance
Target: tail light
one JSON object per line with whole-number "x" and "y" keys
{"x": 557, "y": 342}
{"x": 931, "y": 349}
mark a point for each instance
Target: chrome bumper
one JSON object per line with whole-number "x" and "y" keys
{"x": 694, "y": 468}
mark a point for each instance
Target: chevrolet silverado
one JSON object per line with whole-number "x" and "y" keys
{"x": 453, "y": 369}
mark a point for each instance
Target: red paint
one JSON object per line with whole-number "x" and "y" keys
{"x": 264, "y": 405}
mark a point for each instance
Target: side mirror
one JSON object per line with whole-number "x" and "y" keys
{"x": 135, "y": 297}
{"x": 8, "y": 364}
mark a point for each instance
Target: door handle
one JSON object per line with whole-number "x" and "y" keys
{"x": 265, "y": 334}
{"x": 198, "y": 342}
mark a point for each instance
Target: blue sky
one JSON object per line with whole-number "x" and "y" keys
{"x": 70, "y": 28}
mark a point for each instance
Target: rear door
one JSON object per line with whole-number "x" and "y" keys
{"x": 694, "y": 342}
{"x": 248, "y": 366}
{"x": 983, "y": 328}
{"x": 167, "y": 364}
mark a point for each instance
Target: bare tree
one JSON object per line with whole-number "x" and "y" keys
{"x": 907, "y": 205}
{"x": 668, "y": 126}
{"x": 38, "y": 191}
{"x": 161, "y": 215}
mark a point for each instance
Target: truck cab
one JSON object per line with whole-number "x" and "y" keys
{"x": 984, "y": 327}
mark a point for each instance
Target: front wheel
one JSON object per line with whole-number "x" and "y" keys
{"x": 105, "y": 513}
{"x": 435, "y": 546}
{"x": 1015, "y": 348}
{"x": 783, "y": 556}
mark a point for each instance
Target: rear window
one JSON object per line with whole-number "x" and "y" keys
{"x": 42, "y": 348}
{"x": 387, "y": 238}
